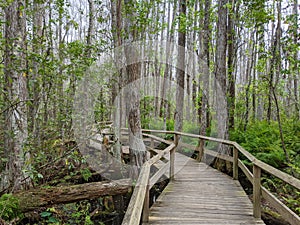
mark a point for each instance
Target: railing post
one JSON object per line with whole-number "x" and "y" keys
{"x": 235, "y": 163}
{"x": 145, "y": 217}
{"x": 200, "y": 149}
{"x": 151, "y": 143}
{"x": 172, "y": 157}
{"x": 256, "y": 192}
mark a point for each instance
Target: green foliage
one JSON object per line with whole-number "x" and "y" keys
{"x": 273, "y": 156}
{"x": 170, "y": 124}
{"x": 146, "y": 110}
{"x": 262, "y": 139}
{"x": 73, "y": 213}
{"x": 189, "y": 127}
{"x": 79, "y": 213}
{"x": 257, "y": 13}
{"x": 86, "y": 174}
{"x": 293, "y": 202}
{"x": 9, "y": 207}
{"x": 49, "y": 217}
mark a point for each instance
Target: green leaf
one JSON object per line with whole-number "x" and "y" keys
{"x": 86, "y": 174}
{"x": 53, "y": 220}
{"x": 45, "y": 214}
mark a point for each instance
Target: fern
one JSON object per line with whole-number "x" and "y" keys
{"x": 9, "y": 207}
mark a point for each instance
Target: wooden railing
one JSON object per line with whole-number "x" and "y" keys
{"x": 139, "y": 203}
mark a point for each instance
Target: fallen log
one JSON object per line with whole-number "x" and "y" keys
{"x": 36, "y": 198}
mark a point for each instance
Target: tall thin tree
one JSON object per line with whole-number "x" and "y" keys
{"x": 133, "y": 74}
{"x": 221, "y": 77}
{"x": 180, "y": 66}
{"x": 17, "y": 96}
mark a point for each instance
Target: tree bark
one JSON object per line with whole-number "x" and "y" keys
{"x": 276, "y": 66}
{"x": 180, "y": 67}
{"x": 270, "y": 77}
{"x": 45, "y": 197}
{"x": 250, "y": 62}
{"x": 117, "y": 81}
{"x": 17, "y": 97}
{"x": 35, "y": 87}
{"x": 296, "y": 66}
{"x": 221, "y": 79}
{"x": 133, "y": 73}
{"x": 91, "y": 28}
{"x": 220, "y": 70}
{"x": 230, "y": 65}
{"x": 165, "y": 104}
{"x": 205, "y": 123}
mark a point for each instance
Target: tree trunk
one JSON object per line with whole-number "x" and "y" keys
{"x": 220, "y": 79}
{"x": 117, "y": 81}
{"x": 206, "y": 71}
{"x": 91, "y": 28}
{"x": 17, "y": 97}
{"x": 295, "y": 69}
{"x": 203, "y": 108}
{"x": 35, "y": 87}
{"x": 260, "y": 101}
{"x": 276, "y": 66}
{"x": 254, "y": 80}
{"x": 270, "y": 77}
{"x": 180, "y": 67}
{"x": 133, "y": 75}
{"x": 220, "y": 70}
{"x": 165, "y": 104}
{"x": 250, "y": 62}
{"x": 230, "y": 65}
{"x": 45, "y": 197}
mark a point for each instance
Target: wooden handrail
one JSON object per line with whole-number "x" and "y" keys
{"x": 139, "y": 203}
{"x": 135, "y": 207}
{"x": 254, "y": 178}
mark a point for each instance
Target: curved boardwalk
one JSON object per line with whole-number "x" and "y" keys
{"x": 201, "y": 195}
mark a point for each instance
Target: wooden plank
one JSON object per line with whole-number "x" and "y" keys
{"x": 256, "y": 192}
{"x": 273, "y": 171}
{"x": 154, "y": 159}
{"x": 186, "y": 176}
{"x": 235, "y": 163}
{"x": 247, "y": 154}
{"x": 155, "y": 151}
{"x": 158, "y": 139}
{"x": 201, "y": 195}
{"x": 146, "y": 204}
{"x": 218, "y": 155}
{"x": 246, "y": 171}
{"x": 277, "y": 173}
{"x": 283, "y": 210}
{"x": 171, "y": 164}
{"x": 191, "y": 135}
{"x": 208, "y": 152}
{"x": 206, "y": 138}
{"x": 135, "y": 207}
{"x": 159, "y": 174}
{"x": 200, "y": 221}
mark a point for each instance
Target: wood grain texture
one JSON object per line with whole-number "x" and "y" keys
{"x": 45, "y": 197}
{"x": 201, "y": 195}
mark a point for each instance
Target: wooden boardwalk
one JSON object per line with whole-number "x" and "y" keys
{"x": 201, "y": 195}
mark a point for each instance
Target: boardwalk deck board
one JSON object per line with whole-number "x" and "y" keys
{"x": 202, "y": 195}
